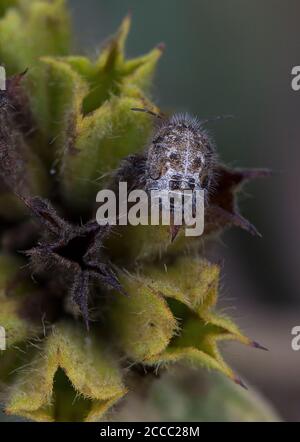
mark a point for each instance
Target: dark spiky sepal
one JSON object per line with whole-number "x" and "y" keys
{"x": 222, "y": 210}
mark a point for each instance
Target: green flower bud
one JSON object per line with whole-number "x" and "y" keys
{"x": 86, "y": 364}
{"x": 187, "y": 290}
{"x": 13, "y": 295}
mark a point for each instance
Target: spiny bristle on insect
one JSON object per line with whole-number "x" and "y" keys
{"x": 187, "y": 119}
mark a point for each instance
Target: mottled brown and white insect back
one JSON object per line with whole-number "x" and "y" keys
{"x": 180, "y": 156}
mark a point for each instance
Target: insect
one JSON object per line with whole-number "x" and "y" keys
{"x": 180, "y": 156}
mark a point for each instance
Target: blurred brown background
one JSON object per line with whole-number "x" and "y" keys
{"x": 235, "y": 57}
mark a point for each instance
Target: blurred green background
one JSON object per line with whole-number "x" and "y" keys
{"x": 235, "y": 57}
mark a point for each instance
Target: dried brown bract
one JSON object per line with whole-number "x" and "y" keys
{"x": 75, "y": 252}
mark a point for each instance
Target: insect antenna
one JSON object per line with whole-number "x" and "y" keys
{"x": 147, "y": 111}
{"x": 217, "y": 118}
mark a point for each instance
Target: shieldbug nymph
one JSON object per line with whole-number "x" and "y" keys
{"x": 180, "y": 155}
